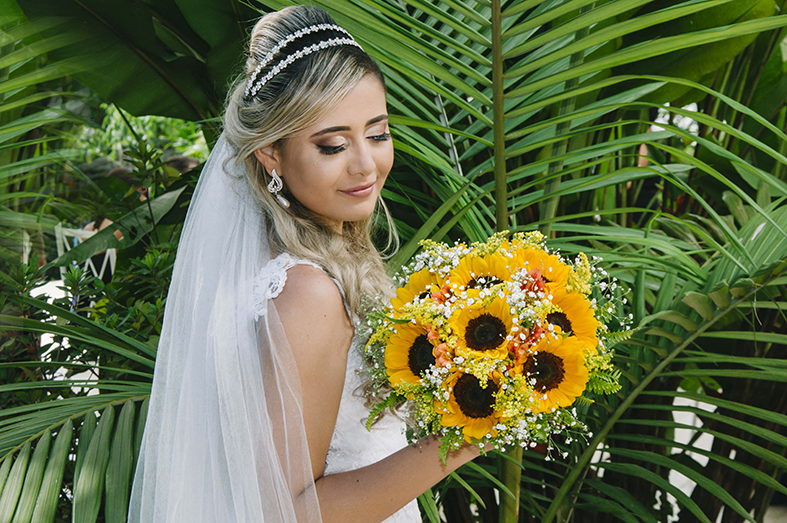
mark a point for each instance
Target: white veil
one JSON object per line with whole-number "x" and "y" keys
{"x": 224, "y": 439}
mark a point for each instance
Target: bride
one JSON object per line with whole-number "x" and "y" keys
{"x": 256, "y": 412}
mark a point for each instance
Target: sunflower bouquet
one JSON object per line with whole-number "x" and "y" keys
{"x": 494, "y": 342}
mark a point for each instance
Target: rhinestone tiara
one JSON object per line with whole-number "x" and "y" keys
{"x": 253, "y": 85}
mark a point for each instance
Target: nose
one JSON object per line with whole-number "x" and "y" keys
{"x": 362, "y": 162}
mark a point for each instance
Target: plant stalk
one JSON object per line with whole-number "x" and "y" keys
{"x": 511, "y": 476}
{"x": 498, "y": 115}
{"x": 559, "y": 148}
{"x": 510, "y": 473}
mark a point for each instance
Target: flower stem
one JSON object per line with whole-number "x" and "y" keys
{"x": 510, "y": 475}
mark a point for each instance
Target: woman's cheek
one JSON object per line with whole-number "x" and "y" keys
{"x": 387, "y": 163}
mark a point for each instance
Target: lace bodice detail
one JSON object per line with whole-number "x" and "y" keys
{"x": 352, "y": 446}
{"x": 271, "y": 279}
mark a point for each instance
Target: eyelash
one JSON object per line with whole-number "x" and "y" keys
{"x": 333, "y": 149}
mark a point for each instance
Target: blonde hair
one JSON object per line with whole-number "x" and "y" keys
{"x": 296, "y": 98}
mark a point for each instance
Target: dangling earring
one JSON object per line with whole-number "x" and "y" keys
{"x": 275, "y": 186}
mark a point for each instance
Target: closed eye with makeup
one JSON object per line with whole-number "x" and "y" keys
{"x": 338, "y": 143}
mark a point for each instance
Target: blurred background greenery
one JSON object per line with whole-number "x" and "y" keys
{"x": 650, "y": 133}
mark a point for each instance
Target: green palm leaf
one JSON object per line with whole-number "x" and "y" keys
{"x": 506, "y": 115}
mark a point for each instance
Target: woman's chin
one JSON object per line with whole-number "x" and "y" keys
{"x": 357, "y": 217}
{"x": 358, "y": 212}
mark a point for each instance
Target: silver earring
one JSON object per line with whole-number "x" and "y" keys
{"x": 275, "y": 186}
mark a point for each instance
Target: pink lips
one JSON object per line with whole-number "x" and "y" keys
{"x": 360, "y": 191}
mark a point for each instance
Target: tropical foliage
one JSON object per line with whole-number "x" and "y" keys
{"x": 569, "y": 116}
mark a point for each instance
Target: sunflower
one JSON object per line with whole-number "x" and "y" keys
{"x": 483, "y": 331}
{"x": 556, "y": 370}
{"x": 422, "y": 284}
{"x": 408, "y": 354}
{"x": 554, "y": 272}
{"x": 470, "y": 405}
{"x": 576, "y": 319}
{"x": 474, "y": 273}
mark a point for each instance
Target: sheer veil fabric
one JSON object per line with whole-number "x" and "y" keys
{"x": 224, "y": 439}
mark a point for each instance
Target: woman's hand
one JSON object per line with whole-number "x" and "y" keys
{"x": 372, "y": 493}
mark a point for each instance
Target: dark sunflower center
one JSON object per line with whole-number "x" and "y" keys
{"x": 486, "y": 332}
{"x": 420, "y": 356}
{"x": 546, "y": 368}
{"x": 473, "y": 400}
{"x": 426, "y": 294}
{"x": 483, "y": 282}
{"x": 561, "y": 320}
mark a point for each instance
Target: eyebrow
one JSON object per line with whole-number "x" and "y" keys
{"x": 345, "y": 128}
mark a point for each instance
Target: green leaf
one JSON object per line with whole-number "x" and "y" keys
{"x": 465, "y": 485}
{"x": 111, "y": 33}
{"x": 622, "y": 496}
{"x": 702, "y": 481}
{"x": 599, "y": 504}
{"x": 658, "y": 331}
{"x": 46, "y": 504}
{"x": 680, "y": 319}
{"x": 139, "y": 431}
{"x": 85, "y": 436}
{"x": 89, "y": 485}
{"x": 406, "y": 252}
{"x": 483, "y": 472}
{"x": 13, "y": 485}
{"x": 426, "y": 500}
{"x": 32, "y": 484}
{"x": 700, "y": 303}
{"x": 119, "y": 469}
{"x": 749, "y": 471}
{"x": 133, "y": 225}
{"x": 720, "y": 294}
{"x": 5, "y": 469}
{"x": 636, "y": 470}
{"x": 762, "y": 337}
{"x": 741, "y": 287}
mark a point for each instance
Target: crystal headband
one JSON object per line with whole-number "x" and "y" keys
{"x": 252, "y": 91}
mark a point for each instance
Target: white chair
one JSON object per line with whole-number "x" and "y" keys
{"x": 67, "y": 238}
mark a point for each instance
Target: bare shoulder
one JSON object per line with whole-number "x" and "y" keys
{"x": 312, "y": 310}
{"x": 319, "y": 333}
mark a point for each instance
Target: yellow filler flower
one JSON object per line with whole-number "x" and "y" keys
{"x": 556, "y": 370}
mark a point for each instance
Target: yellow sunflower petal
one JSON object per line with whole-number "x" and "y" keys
{"x": 554, "y": 272}
{"x": 483, "y": 331}
{"x": 475, "y": 418}
{"x": 409, "y": 351}
{"x": 474, "y": 273}
{"x": 577, "y": 317}
{"x": 421, "y": 283}
{"x": 452, "y": 419}
{"x": 559, "y": 372}
{"x": 478, "y": 428}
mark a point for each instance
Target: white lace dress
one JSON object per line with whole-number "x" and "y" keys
{"x": 352, "y": 446}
